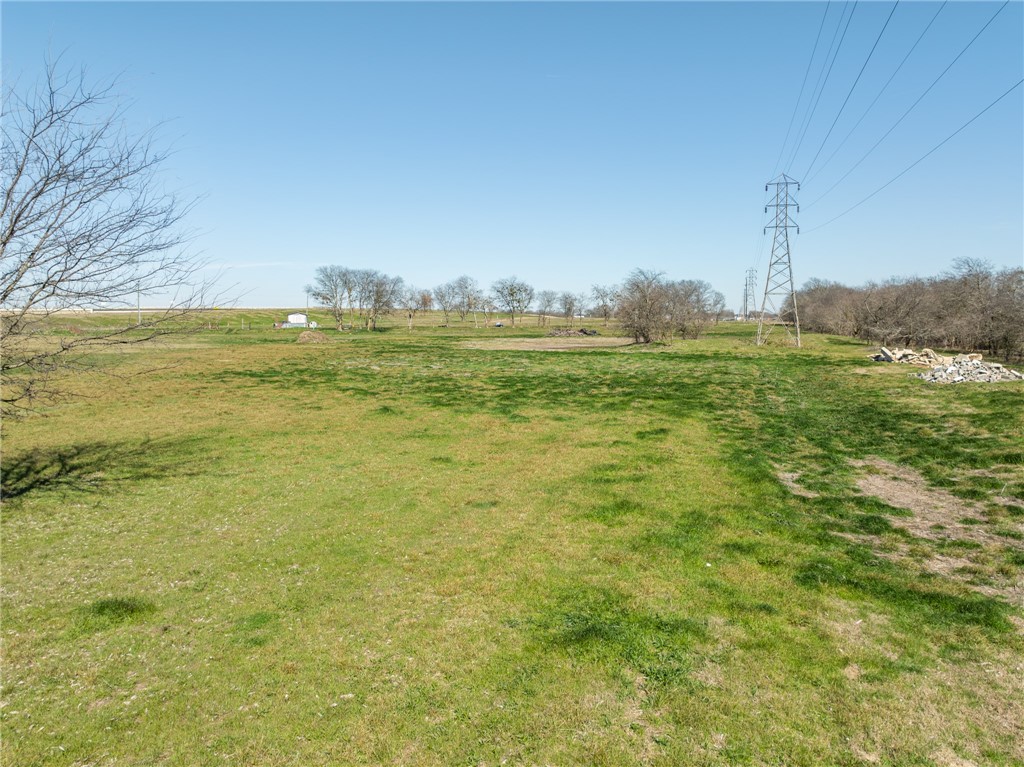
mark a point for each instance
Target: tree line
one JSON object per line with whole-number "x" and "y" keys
{"x": 972, "y": 307}
{"x": 650, "y": 307}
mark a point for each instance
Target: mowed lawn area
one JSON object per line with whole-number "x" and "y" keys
{"x": 450, "y": 547}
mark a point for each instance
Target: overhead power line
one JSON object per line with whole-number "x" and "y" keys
{"x": 911, "y": 108}
{"x": 882, "y": 91}
{"x": 796, "y": 107}
{"x": 852, "y": 87}
{"x": 920, "y": 159}
{"x": 761, "y": 238}
{"x": 809, "y": 116}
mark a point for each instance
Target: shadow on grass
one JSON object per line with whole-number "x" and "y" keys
{"x": 892, "y": 587}
{"x": 603, "y": 625}
{"x": 94, "y": 466}
{"x": 111, "y": 612}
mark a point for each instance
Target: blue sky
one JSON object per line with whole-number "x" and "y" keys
{"x": 566, "y": 143}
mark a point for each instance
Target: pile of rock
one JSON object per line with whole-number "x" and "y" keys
{"x": 910, "y": 357}
{"x": 960, "y": 368}
{"x": 963, "y": 369}
{"x": 573, "y": 332}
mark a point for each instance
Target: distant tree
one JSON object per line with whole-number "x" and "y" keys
{"x": 426, "y": 301}
{"x": 467, "y": 297}
{"x": 488, "y": 307}
{"x": 692, "y": 304}
{"x": 717, "y": 307}
{"x": 567, "y": 306}
{"x": 332, "y": 289}
{"x": 605, "y": 297}
{"x": 350, "y": 283}
{"x": 644, "y": 307}
{"x": 383, "y": 293}
{"x": 582, "y": 306}
{"x": 446, "y": 296}
{"x": 828, "y": 307}
{"x": 84, "y": 223}
{"x": 513, "y": 295}
{"x": 546, "y": 302}
{"x": 363, "y": 289}
{"x": 411, "y": 302}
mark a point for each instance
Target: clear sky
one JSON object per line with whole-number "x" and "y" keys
{"x": 566, "y": 143}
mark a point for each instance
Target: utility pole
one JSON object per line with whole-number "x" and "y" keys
{"x": 778, "y": 307}
{"x": 749, "y": 291}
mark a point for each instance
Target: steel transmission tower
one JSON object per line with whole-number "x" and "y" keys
{"x": 749, "y": 291}
{"x": 778, "y": 307}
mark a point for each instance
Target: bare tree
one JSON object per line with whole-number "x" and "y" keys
{"x": 426, "y": 301}
{"x": 362, "y": 289}
{"x": 467, "y": 297}
{"x": 350, "y": 283}
{"x": 691, "y": 305}
{"x": 383, "y": 293}
{"x": 84, "y": 224}
{"x": 605, "y": 297}
{"x": 546, "y": 301}
{"x": 513, "y": 295}
{"x": 582, "y": 307}
{"x": 411, "y": 301}
{"x": 332, "y": 288}
{"x": 488, "y": 307}
{"x": 445, "y": 295}
{"x": 644, "y": 306}
{"x": 567, "y": 305}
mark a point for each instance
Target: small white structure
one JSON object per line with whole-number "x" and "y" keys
{"x": 295, "y": 320}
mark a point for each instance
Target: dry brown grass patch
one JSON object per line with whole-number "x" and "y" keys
{"x": 791, "y": 481}
{"x": 937, "y": 513}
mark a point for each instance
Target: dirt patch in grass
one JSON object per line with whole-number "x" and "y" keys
{"x": 963, "y": 569}
{"x": 939, "y": 520}
{"x": 936, "y": 513}
{"x": 549, "y": 344}
{"x": 791, "y": 480}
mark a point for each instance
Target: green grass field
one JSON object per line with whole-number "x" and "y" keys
{"x": 447, "y": 547}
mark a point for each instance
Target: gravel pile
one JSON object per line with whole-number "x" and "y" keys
{"x": 961, "y": 368}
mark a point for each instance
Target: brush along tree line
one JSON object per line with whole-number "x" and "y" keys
{"x": 973, "y": 307}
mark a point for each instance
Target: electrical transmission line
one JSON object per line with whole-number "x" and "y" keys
{"x": 852, "y": 87}
{"x": 920, "y": 159}
{"x": 796, "y": 106}
{"x": 880, "y": 93}
{"x": 779, "y": 300}
{"x": 806, "y": 122}
{"x": 912, "y": 106}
